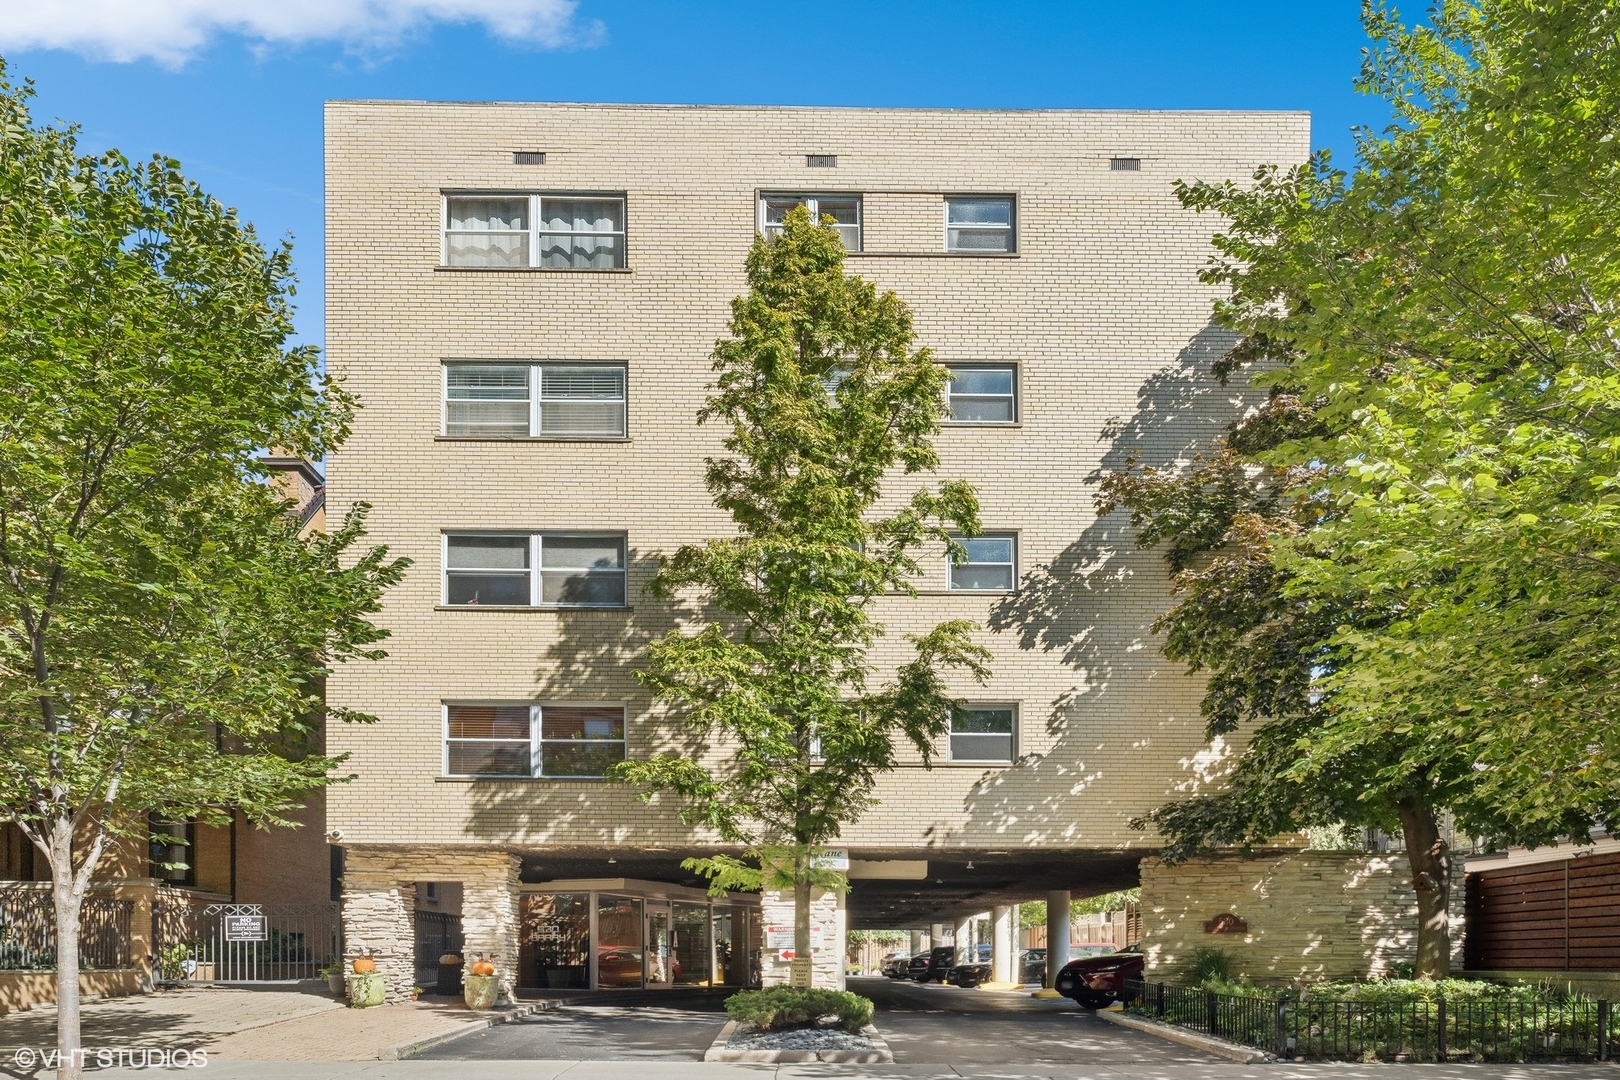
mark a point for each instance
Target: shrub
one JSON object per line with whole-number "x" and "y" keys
{"x": 781, "y": 1007}
{"x": 1211, "y": 965}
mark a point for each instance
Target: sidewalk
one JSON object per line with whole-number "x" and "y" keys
{"x": 232, "y": 1024}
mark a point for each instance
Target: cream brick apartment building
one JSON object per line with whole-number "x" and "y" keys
{"x": 524, "y": 298}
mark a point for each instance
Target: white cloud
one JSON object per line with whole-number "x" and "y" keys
{"x": 171, "y": 31}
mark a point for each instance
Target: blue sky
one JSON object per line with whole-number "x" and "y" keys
{"x": 233, "y": 88}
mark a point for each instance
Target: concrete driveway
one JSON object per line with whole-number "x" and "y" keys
{"x": 677, "y": 1029}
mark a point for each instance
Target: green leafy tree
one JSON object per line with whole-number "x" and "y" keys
{"x": 1402, "y": 573}
{"x": 164, "y": 631}
{"x": 822, "y": 393}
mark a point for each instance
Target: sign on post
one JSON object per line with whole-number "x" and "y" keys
{"x": 245, "y": 928}
{"x": 799, "y": 975}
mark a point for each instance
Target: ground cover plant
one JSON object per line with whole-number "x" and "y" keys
{"x": 782, "y": 1008}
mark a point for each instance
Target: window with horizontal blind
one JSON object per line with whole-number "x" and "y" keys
{"x": 550, "y": 232}
{"x": 983, "y": 733}
{"x": 551, "y": 400}
{"x": 843, "y": 210}
{"x": 985, "y": 564}
{"x": 982, "y": 393}
{"x": 564, "y": 741}
{"x": 552, "y": 569}
{"x": 980, "y": 224}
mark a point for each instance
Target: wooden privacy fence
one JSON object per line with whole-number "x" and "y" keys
{"x": 1117, "y": 928}
{"x": 1552, "y": 916}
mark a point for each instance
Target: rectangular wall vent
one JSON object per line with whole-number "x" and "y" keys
{"x": 1125, "y": 164}
{"x": 529, "y": 157}
{"x": 821, "y": 161}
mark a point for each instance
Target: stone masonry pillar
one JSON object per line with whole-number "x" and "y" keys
{"x": 1057, "y": 934}
{"x": 489, "y": 917}
{"x": 828, "y": 947}
{"x": 379, "y": 919}
{"x": 1001, "y": 948}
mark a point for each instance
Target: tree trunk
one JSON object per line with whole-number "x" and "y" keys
{"x": 1430, "y": 859}
{"x": 801, "y": 902}
{"x": 67, "y": 895}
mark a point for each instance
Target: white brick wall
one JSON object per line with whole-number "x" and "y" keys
{"x": 1101, "y": 309}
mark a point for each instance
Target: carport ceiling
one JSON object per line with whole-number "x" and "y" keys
{"x": 949, "y": 892}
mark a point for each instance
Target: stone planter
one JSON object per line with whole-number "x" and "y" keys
{"x": 480, "y": 991}
{"x": 366, "y": 990}
{"x": 335, "y": 982}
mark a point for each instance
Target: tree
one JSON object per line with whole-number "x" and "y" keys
{"x": 822, "y": 393}
{"x": 164, "y": 631}
{"x": 1401, "y": 572}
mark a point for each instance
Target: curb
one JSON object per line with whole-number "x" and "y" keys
{"x": 880, "y": 1054}
{"x": 1243, "y": 1055}
{"x": 504, "y": 1016}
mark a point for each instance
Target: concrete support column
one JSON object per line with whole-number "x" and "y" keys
{"x": 936, "y": 934}
{"x": 1057, "y": 934}
{"x": 489, "y": 919}
{"x": 964, "y": 938}
{"x": 916, "y": 942}
{"x": 1001, "y": 946}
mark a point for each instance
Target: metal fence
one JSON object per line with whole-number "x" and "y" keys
{"x": 200, "y": 941}
{"x": 1301, "y": 1027}
{"x": 28, "y": 931}
{"x": 437, "y": 933}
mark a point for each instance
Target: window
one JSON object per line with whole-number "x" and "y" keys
{"x": 564, "y": 741}
{"x": 172, "y": 848}
{"x": 556, "y": 232}
{"x": 982, "y": 394}
{"x": 980, "y": 224}
{"x": 986, "y": 565}
{"x": 575, "y": 570}
{"x": 845, "y": 210}
{"x": 551, "y": 400}
{"x": 982, "y": 733}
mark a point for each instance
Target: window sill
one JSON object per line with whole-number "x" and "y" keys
{"x": 532, "y": 270}
{"x": 933, "y": 254}
{"x": 520, "y": 779}
{"x": 980, "y": 424}
{"x": 963, "y": 592}
{"x": 535, "y": 608}
{"x": 532, "y": 438}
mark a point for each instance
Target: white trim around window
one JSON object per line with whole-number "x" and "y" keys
{"x": 843, "y": 208}
{"x": 530, "y": 399}
{"x": 520, "y": 741}
{"x": 561, "y": 230}
{"x": 981, "y": 224}
{"x": 990, "y": 565}
{"x": 982, "y": 394}
{"x": 552, "y": 569}
{"x": 984, "y": 733}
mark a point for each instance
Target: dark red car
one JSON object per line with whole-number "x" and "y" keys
{"x": 1096, "y": 982}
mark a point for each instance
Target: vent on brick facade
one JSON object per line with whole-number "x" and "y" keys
{"x": 821, "y": 161}
{"x": 1125, "y": 164}
{"x": 529, "y": 157}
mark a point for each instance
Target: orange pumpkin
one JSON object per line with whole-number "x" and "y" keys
{"x": 364, "y": 965}
{"x": 483, "y": 967}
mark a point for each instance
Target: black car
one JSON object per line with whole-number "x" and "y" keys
{"x": 1096, "y": 982}
{"x": 935, "y": 966}
{"x": 971, "y": 971}
{"x": 1032, "y": 965}
{"x": 916, "y": 968}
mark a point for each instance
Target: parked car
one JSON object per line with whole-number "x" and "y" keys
{"x": 917, "y": 967}
{"x": 894, "y": 965}
{"x": 1032, "y": 966}
{"x": 971, "y": 971}
{"x": 1096, "y": 982}
{"x": 931, "y": 966}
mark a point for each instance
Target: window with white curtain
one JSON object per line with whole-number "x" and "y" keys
{"x": 552, "y": 569}
{"x": 559, "y": 400}
{"x": 983, "y": 733}
{"x": 548, "y": 232}
{"x": 844, "y": 210}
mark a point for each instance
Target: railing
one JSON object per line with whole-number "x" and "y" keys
{"x": 199, "y": 939}
{"x": 1293, "y": 1026}
{"x": 28, "y": 931}
{"x": 437, "y": 933}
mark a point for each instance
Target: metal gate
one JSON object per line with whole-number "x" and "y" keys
{"x": 199, "y": 941}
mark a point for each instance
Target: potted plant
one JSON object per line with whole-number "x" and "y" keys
{"x": 333, "y": 974}
{"x": 416, "y": 993}
{"x": 366, "y": 984}
{"x": 480, "y": 987}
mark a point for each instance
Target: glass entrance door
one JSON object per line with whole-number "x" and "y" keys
{"x": 660, "y": 952}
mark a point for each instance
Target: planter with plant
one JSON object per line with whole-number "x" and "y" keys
{"x": 479, "y": 987}
{"x": 366, "y": 984}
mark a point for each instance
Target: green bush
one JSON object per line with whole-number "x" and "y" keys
{"x": 1211, "y": 965}
{"x": 782, "y": 1007}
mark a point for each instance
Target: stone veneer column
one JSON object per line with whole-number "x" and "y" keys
{"x": 379, "y": 918}
{"x": 489, "y": 916}
{"x": 827, "y": 911}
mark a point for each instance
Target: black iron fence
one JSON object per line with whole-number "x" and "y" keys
{"x": 1296, "y": 1026}
{"x": 198, "y": 940}
{"x": 437, "y": 933}
{"x": 28, "y": 931}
